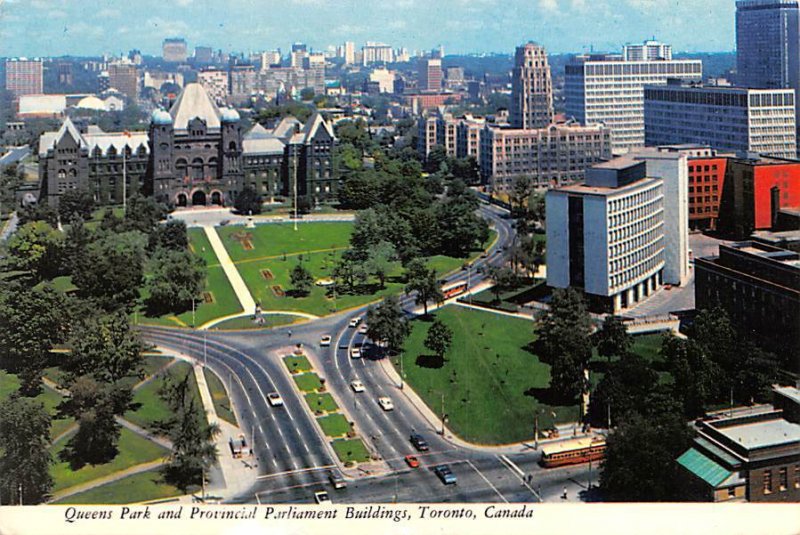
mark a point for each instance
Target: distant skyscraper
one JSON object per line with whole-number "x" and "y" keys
{"x": 647, "y": 51}
{"x": 203, "y": 55}
{"x": 430, "y": 75}
{"x": 768, "y": 45}
{"x": 65, "y": 73}
{"x": 270, "y": 58}
{"x": 531, "y": 89}
{"x": 376, "y": 53}
{"x": 349, "y": 52}
{"x": 174, "y": 50}
{"x": 24, "y": 76}
{"x": 124, "y": 77}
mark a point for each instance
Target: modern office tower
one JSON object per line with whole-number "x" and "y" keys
{"x": 216, "y": 84}
{"x": 314, "y": 64}
{"x": 270, "y": 58}
{"x": 24, "y": 76}
{"x": 758, "y": 285}
{"x": 298, "y": 55}
{"x": 203, "y": 55}
{"x": 761, "y": 121}
{"x": 65, "y": 73}
{"x": 382, "y": 79}
{"x": 605, "y": 89}
{"x": 135, "y": 56}
{"x": 606, "y": 236}
{"x": 706, "y": 183}
{"x": 430, "y": 75}
{"x": 768, "y": 46}
{"x": 241, "y": 82}
{"x": 349, "y": 52}
{"x": 401, "y": 55}
{"x": 531, "y": 88}
{"x": 557, "y": 154}
{"x": 124, "y": 77}
{"x": 647, "y": 51}
{"x": 376, "y": 53}
{"x": 174, "y": 50}
{"x": 459, "y": 136}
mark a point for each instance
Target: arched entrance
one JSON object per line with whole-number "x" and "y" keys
{"x": 199, "y": 198}
{"x": 182, "y": 200}
{"x": 216, "y": 198}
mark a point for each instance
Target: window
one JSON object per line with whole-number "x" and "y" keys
{"x": 783, "y": 479}
{"x": 767, "y": 481}
{"x": 731, "y": 492}
{"x": 797, "y": 476}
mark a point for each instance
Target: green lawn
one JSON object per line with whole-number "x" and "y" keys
{"x": 153, "y": 408}
{"x": 321, "y": 402}
{"x": 297, "y": 364}
{"x": 278, "y": 239}
{"x": 133, "y": 450}
{"x": 352, "y": 450}
{"x": 308, "y": 382}
{"x": 246, "y": 322}
{"x": 492, "y": 384}
{"x": 145, "y": 486}
{"x": 9, "y": 383}
{"x": 199, "y": 245}
{"x": 222, "y": 404}
{"x": 334, "y": 425}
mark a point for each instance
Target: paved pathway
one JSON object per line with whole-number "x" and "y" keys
{"x": 239, "y": 287}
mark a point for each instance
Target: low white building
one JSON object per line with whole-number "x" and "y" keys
{"x": 607, "y": 236}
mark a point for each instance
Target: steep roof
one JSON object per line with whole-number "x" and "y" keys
{"x": 314, "y": 123}
{"x": 194, "y": 102}
{"x": 49, "y": 139}
{"x": 703, "y": 467}
{"x": 259, "y": 140}
{"x": 105, "y": 140}
{"x": 287, "y": 127}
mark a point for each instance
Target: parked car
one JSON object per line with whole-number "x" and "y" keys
{"x": 337, "y": 480}
{"x": 275, "y": 399}
{"x": 386, "y": 403}
{"x": 419, "y": 442}
{"x": 412, "y": 461}
{"x": 357, "y": 385}
{"x": 322, "y": 497}
{"x": 445, "y": 474}
{"x": 325, "y": 341}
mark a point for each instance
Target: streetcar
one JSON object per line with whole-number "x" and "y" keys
{"x": 574, "y": 451}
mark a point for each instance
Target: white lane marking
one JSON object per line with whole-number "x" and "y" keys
{"x": 301, "y": 471}
{"x": 517, "y": 471}
{"x": 487, "y": 481}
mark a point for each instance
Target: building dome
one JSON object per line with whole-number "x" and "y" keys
{"x": 161, "y": 117}
{"x": 229, "y": 115}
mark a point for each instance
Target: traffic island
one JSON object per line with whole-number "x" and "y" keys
{"x": 351, "y": 451}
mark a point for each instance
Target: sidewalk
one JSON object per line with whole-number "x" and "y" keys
{"x": 237, "y": 283}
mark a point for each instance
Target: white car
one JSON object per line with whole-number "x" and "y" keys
{"x": 357, "y": 385}
{"x": 355, "y": 321}
{"x": 325, "y": 341}
{"x": 386, "y": 403}
{"x": 321, "y": 497}
{"x": 355, "y": 352}
{"x": 363, "y": 329}
{"x": 275, "y": 399}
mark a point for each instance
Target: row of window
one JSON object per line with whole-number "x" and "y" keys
{"x": 783, "y": 480}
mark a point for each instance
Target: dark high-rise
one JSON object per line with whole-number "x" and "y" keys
{"x": 531, "y": 89}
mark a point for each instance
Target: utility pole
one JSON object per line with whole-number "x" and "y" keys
{"x": 125, "y": 177}
{"x": 205, "y": 348}
{"x": 194, "y": 324}
{"x": 20, "y": 492}
{"x": 442, "y": 414}
{"x": 295, "y": 189}
{"x": 402, "y": 372}
{"x": 536, "y": 431}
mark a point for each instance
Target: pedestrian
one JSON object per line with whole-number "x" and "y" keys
{"x": 289, "y": 333}
{"x": 564, "y": 496}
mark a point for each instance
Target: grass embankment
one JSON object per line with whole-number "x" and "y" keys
{"x": 222, "y": 404}
{"x": 153, "y": 408}
{"x": 145, "y": 486}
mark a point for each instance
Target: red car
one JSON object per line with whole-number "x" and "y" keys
{"x": 412, "y": 461}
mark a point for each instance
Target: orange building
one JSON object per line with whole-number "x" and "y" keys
{"x": 706, "y": 180}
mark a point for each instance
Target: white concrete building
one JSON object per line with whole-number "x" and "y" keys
{"x": 647, "y": 51}
{"x": 215, "y": 82}
{"x": 605, "y": 89}
{"x": 607, "y": 236}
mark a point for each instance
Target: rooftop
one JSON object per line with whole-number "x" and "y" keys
{"x": 788, "y": 391}
{"x": 762, "y": 434}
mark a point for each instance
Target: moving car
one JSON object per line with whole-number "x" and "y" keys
{"x": 337, "y": 480}
{"x": 275, "y": 399}
{"x": 445, "y": 474}
{"x": 363, "y": 329}
{"x": 355, "y": 353}
{"x": 355, "y": 321}
{"x": 325, "y": 341}
{"x": 419, "y": 442}
{"x": 357, "y": 385}
{"x": 322, "y": 497}
{"x": 412, "y": 461}
{"x": 386, "y": 403}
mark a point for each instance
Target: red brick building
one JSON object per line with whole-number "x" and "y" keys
{"x": 427, "y": 101}
{"x": 755, "y": 190}
{"x": 706, "y": 180}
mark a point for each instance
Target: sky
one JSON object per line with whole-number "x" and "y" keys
{"x": 94, "y": 27}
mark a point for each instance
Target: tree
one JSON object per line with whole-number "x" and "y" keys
{"x": 143, "y": 213}
{"x": 302, "y": 280}
{"x": 436, "y": 157}
{"x": 640, "y": 465}
{"x": 387, "y": 324}
{"x": 248, "y": 201}
{"x": 368, "y": 231}
{"x": 359, "y": 190}
{"x": 521, "y": 190}
{"x": 106, "y": 348}
{"x": 697, "y": 379}
{"x": 75, "y": 203}
{"x": 36, "y": 247}
{"x": 76, "y": 243}
{"x": 172, "y": 235}
{"x": 193, "y": 448}
{"x": 114, "y": 270}
{"x": 33, "y": 321}
{"x": 307, "y": 93}
{"x": 460, "y": 228}
{"x": 623, "y": 389}
{"x": 565, "y": 343}
{"x": 439, "y": 338}
{"x": 503, "y": 279}
{"x": 177, "y": 278}
{"x": 613, "y": 340}
{"x": 381, "y": 261}
{"x": 424, "y": 282}
{"x": 38, "y": 212}
{"x": 350, "y": 271}
{"x": 527, "y": 253}
{"x": 25, "y": 457}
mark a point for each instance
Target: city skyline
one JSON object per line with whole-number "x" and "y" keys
{"x": 59, "y": 27}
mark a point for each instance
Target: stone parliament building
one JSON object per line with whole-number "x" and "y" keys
{"x": 195, "y": 154}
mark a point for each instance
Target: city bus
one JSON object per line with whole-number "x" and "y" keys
{"x": 452, "y": 290}
{"x": 575, "y": 451}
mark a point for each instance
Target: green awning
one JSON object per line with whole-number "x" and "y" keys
{"x": 706, "y": 469}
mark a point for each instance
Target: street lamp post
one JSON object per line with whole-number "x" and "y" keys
{"x": 194, "y": 324}
{"x": 402, "y": 371}
{"x": 205, "y": 349}
{"x": 443, "y": 415}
